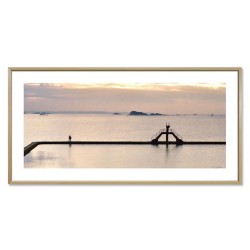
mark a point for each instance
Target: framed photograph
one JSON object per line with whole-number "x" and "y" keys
{"x": 125, "y": 125}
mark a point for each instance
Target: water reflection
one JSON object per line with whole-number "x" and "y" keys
{"x": 126, "y": 156}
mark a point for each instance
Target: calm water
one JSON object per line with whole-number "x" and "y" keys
{"x": 123, "y": 128}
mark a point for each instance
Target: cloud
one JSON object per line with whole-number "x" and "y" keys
{"x": 165, "y": 98}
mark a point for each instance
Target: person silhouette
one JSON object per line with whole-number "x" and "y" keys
{"x": 70, "y": 138}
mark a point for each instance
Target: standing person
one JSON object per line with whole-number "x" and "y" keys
{"x": 70, "y": 138}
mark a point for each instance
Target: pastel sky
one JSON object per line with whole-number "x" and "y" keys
{"x": 167, "y": 98}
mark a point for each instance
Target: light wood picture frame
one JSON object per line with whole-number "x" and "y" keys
{"x": 112, "y": 114}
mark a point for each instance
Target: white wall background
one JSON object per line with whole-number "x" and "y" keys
{"x": 123, "y": 33}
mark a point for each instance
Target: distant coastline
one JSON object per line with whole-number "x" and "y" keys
{"x": 131, "y": 113}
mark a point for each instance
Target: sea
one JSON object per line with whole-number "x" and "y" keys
{"x": 109, "y": 127}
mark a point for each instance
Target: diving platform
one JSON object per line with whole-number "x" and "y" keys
{"x": 167, "y": 132}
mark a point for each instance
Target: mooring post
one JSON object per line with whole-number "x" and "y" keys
{"x": 167, "y": 131}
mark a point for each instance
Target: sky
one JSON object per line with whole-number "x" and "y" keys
{"x": 161, "y": 97}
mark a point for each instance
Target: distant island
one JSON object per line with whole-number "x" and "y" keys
{"x": 156, "y": 114}
{"x": 142, "y": 113}
{"x": 116, "y": 114}
{"x": 137, "y": 113}
{"x": 43, "y": 113}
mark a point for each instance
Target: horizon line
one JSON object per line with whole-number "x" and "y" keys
{"x": 121, "y": 112}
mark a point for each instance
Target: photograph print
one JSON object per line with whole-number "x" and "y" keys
{"x": 125, "y": 125}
